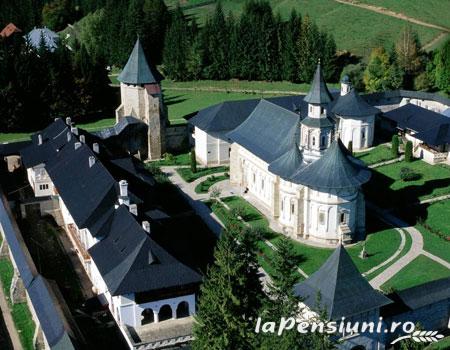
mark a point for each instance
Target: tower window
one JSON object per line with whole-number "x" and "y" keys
{"x": 292, "y": 208}
{"x": 322, "y": 142}
{"x": 313, "y": 141}
{"x": 322, "y": 218}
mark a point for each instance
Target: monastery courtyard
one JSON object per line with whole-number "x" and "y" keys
{"x": 401, "y": 251}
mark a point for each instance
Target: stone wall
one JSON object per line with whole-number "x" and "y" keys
{"x": 177, "y": 138}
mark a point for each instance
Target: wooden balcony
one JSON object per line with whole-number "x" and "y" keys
{"x": 74, "y": 237}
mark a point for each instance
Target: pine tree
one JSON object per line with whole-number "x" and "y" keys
{"x": 350, "y": 147}
{"x": 376, "y": 75}
{"x": 290, "y": 31}
{"x": 394, "y": 146}
{"x": 230, "y": 296}
{"x": 193, "y": 161}
{"x": 308, "y": 49}
{"x": 408, "y": 152}
{"x": 407, "y": 49}
{"x": 442, "y": 72}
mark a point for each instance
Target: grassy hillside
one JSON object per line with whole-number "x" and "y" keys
{"x": 354, "y": 28}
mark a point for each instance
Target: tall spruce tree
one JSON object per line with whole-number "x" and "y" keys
{"x": 290, "y": 36}
{"x": 230, "y": 296}
{"x": 442, "y": 72}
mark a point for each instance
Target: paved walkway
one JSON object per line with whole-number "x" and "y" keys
{"x": 392, "y": 161}
{"x": 435, "y": 199}
{"x": 13, "y": 334}
{"x": 415, "y": 250}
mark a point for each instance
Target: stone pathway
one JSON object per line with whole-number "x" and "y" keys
{"x": 435, "y": 199}
{"x": 12, "y": 331}
{"x": 392, "y": 161}
{"x": 415, "y": 250}
{"x": 393, "y": 257}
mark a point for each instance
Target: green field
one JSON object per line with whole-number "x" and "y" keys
{"x": 189, "y": 176}
{"x": 204, "y": 186}
{"x": 420, "y": 270}
{"x": 435, "y": 11}
{"x": 354, "y": 29}
{"x": 434, "y": 244}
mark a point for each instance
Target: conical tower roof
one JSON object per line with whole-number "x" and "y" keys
{"x": 336, "y": 169}
{"x": 288, "y": 163}
{"x": 318, "y": 94}
{"x": 353, "y": 105}
{"x": 343, "y": 291}
{"x": 137, "y": 70}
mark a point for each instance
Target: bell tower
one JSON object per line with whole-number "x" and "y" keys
{"x": 141, "y": 97}
{"x": 317, "y": 128}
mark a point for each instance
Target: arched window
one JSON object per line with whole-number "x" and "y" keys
{"x": 262, "y": 184}
{"x": 147, "y": 317}
{"x": 313, "y": 141}
{"x": 183, "y": 309}
{"x": 363, "y": 134}
{"x": 322, "y": 142}
{"x": 292, "y": 208}
{"x": 282, "y": 204}
{"x": 165, "y": 313}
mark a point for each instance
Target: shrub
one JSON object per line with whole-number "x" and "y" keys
{"x": 407, "y": 174}
{"x": 350, "y": 146}
{"x": 169, "y": 157}
{"x": 193, "y": 161}
{"x": 408, "y": 152}
{"x": 394, "y": 146}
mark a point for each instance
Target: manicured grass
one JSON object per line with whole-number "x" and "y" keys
{"x": 178, "y": 159}
{"x": 20, "y": 313}
{"x": 99, "y": 124}
{"x": 379, "y": 154}
{"x": 14, "y": 137}
{"x": 251, "y": 215}
{"x": 436, "y": 216}
{"x": 380, "y": 246}
{"x": 189, "y": 176}
{"x": 378, "y": 30}
{"x": 435, "y": 244}
{"x": 204, "y": 186}
{"x": 388, "y": 190}
{"x": 420, "y": 270}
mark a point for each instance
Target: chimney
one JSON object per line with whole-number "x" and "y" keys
{"x": 39, "y": 139}
{"x": 77, "y": 145}
{"x": 82, "y": 139}
{"x": 68, "y": 121}
{"x": 133, "y": 209}
{"x": 74, "y": 130}
{"x": 345, "y": 85}
{"x": 96, "y": 148}
{"x": 69, "y": 136}
{"x": 91, "y": 161}
{"x": 123, "y": 184}
{"x": 146, "y": 226}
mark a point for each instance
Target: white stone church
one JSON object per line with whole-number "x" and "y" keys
{"x": 289, "y": 155}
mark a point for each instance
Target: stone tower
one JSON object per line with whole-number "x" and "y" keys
{"x": 141, "y": 97}
{"x": 317, "y": 128}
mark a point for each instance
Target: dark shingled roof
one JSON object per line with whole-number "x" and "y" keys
{"x": 395, "y": 96}
{"x": 137, "y": 70}
{"x": 319, "y": 93}
{"x": 117, "y": 128}
{"x": 344, "y": 292}
{"x": 322, "y": 122}
{"x": 426, "y": 294}
{"x": 131, "y": 262}
{"x": 13, "y": 148}
{"x": 288, "y": 163}
{"x": 228, "y": 115}
{"x": 336, "y": 169}
{"x": 353, "y": 105}
{"x": 268, "y": 132}
{"x": 430, "y": 127}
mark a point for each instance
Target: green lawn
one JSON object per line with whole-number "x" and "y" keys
{"x": 189, "y": 176}
{"x": 204, "y": 186}
{"x": 379, "y": 154}
{"x": 388, "y": 190}
{"x": 420, "y": 270}
{"x": 20, "y": 312}
{"x": 436, "y": 216}
{"x": 435, "y": 11}
{"x": 378, "y": 30}
{"x": 99, "y": 124}
{"x": 435, "y": 244}
{"x": 177, "y": 159}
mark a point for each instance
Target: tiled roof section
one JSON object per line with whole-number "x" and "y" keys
{"x": 428, "y": 125}
{"x": 9, "y": 30}
{"x": 268, "y": 132}
{"x": 343, "y": 291}
{"x": 288, "y": 163}
{"x": 131, "y": 262}
{"x": 353, "y": 105}
{"x": 322, "y": 122}
{"x": 318, "y": 94}
{"x": 426, "y": 294}
{"x": 137, "y": 70}
{"x": 336, "y": 169}
{"x": 50, "y": 38}
{"x": 117, "y": 128}
{"x": 397, "y": 95}
{"x": 228, "y": 115}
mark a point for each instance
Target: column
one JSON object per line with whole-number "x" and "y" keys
{"x": 156, "y": 316}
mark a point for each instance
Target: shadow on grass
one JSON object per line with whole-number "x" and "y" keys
{"x": 173, "y": 100}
